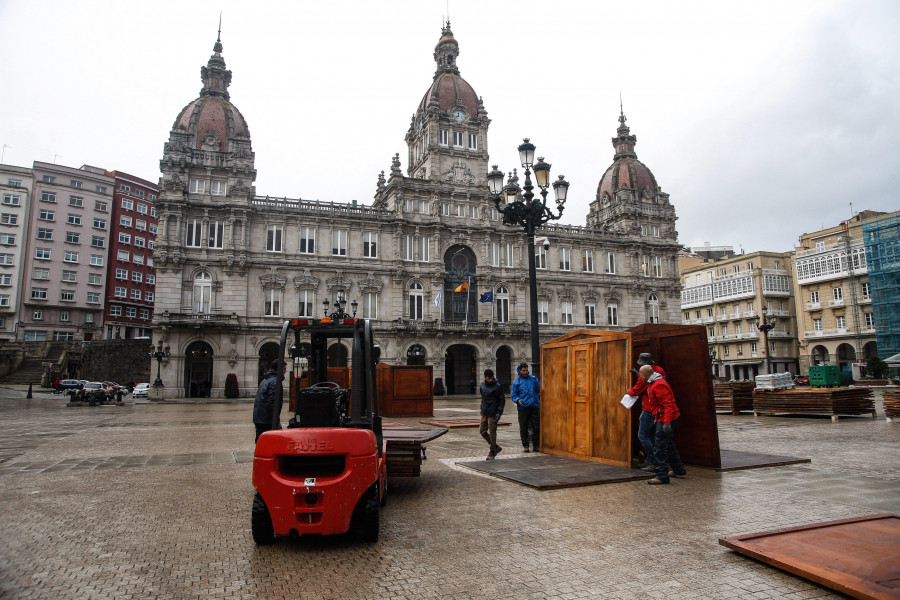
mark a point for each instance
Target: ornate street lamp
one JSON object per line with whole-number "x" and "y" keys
{"x": 766, "y": 324}
{"x": 159, "y": 352}
{"x": 339, "y": 313}
{"x": 529, "y": 214}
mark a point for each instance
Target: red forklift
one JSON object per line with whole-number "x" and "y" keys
{"x": 326, "y": 472}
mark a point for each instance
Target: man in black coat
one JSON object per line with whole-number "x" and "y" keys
{"x": 492, "y": 403}
{"x": 264, "y": 405}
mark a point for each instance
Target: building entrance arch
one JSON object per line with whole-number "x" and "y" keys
{"x": 846, "y": 355}
{"x": 198, "y": 370}
{"x": 459, "y": 367}
{"x": 819, "y": 356}
{"x": 267, "y": 353}
{"x": 504, "y": 367}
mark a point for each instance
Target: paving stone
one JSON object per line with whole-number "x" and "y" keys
{"x": 153, "y": 501}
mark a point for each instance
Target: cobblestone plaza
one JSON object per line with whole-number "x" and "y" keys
{"x": 153, "y": 501}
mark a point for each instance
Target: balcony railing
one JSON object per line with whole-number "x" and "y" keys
{"x": 198, "y": 319}
{"x": 780, "y": 313}
{"x": 461, "y": 327}
{"x": 836, "y": 302}
{"x": 748, "y": 314}
{"x": 825, "y": 333}
{"x": 813, "y": 306}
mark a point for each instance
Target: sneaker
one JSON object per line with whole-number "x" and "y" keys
{"x": 657, "y": 481}
{"x": 536, "y": 449}
{"x": 648, "y": 468}
{"x": 674, "y": 474}
{"x": 497, "y": 451}
{"x": 490, "y": 455}
{"x": 526, "y": 449}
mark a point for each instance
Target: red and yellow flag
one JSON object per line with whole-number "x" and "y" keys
{"x": 464, "y": 286}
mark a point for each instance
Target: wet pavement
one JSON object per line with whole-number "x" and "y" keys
{"x": 153, "y": 501}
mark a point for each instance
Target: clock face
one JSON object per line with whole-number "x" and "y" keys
{"x": 459, "y": 115}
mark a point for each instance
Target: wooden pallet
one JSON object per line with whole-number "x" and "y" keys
{"x": 833, "y": 402}
{"x": 891, "y": 405}
{"x": 733, "y": 396}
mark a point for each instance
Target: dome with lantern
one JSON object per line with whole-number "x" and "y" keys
{"x": 627, "y": 173}
{"x": 449, "y": 90}
{"x": 212, "y": 120}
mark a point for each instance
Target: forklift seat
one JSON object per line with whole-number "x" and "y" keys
{"x": 318, "y": 407}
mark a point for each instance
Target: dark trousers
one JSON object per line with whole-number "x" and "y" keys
{"x": 646, "y": 434}
{"x": 530, "y": 419}
{"x": 262, "y": 428}
{"x": 666, "y": 454}
{"x": 488, "y": 430}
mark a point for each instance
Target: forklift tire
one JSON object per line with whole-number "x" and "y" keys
{"x": 370, "y": 519}
{"x": 261, "y": 522}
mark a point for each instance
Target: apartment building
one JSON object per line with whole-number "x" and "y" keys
{"x": 732, "y": 298}
{"x": 15, "y": 188}
{"x": 836, "y": 318}
{"x": 67, "y": 241}
{"x": 131, "y": 278}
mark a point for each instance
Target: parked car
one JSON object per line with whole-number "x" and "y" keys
{"x": 141, "y": 390}
{"x": 115, "y": 387}
{"x": 70, "y": 384}
{"x": 801, "y": 380}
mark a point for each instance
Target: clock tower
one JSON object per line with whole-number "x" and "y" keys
{"x": 447, "y": 136}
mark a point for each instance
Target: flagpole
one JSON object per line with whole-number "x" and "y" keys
{"x": 468, "y": 294}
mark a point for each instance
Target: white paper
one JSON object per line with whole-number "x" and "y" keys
{"x": 628, "y": 400}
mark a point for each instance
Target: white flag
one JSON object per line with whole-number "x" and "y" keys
{"x": 437, "y": 299}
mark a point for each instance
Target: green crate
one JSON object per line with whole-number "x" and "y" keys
{"x": 822, "y": 375}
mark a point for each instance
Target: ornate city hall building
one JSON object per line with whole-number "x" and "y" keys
{"x": 232, "y": 265}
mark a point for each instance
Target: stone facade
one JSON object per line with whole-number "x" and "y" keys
{"x": 119, "y": 360}
{"x": 233, "y": 265}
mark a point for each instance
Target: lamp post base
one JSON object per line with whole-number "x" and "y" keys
{"x": 157, "y": 393}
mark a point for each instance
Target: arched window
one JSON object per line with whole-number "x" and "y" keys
{"x": 502, "y": 305}
{"x": 416, "y": 302}
{"x": 415, "y": 355}
{"x": 202, "y": 292}
{"x": 653, "y": 309}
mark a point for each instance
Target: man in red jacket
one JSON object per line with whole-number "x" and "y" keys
{"x": 661, "y": 402}
{"x": 646, "y": 424}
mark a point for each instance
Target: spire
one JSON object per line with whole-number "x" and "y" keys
{"x": 446, "y": 51}
{"x": 624, "y": 142}
{"x": 215, "y": 77}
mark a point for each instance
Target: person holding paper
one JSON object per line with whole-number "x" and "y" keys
{"x": 646, "y": 424}
{"x": 661, "y": 401}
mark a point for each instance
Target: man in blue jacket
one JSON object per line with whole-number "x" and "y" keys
{"x": 526, "y": 394}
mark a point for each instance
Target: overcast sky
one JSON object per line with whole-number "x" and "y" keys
{"x": 763, "y": 120}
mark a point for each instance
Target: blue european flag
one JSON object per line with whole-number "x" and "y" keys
{"x": 487, "y": 297}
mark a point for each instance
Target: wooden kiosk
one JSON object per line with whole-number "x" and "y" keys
{"x": 584, "y": 375}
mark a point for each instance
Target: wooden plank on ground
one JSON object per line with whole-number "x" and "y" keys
{"x": 859, "y": 557}
{"x": 546, "y": 472}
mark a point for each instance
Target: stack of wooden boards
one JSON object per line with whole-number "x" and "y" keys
{"x": 734, "y": 396}
{"x": 891, "y": 405}
{"x": 406, "y": 447}
{"x": 814, "y": 401}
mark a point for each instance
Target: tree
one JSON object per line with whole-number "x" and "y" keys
{"x": 876, "y": 368}
{"x": 231, "y": 386}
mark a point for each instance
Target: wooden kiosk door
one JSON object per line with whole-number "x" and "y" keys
{"x": 580, "y": 374}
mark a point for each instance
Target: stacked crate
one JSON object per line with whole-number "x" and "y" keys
{"x": 733, "y": 396}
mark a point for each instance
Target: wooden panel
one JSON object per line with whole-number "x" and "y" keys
{"x": 555, "y": 403}
{"x": 612, "y": 421}
{"x": 859, "y": 557}
{"x": 683, "y": 352}
{"x": 405, "y": 390}
{"x": 585, "y": 374}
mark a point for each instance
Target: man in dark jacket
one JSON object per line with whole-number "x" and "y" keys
{"x": 264, "y": 405}
{"x": 492, "y": 403}
{"x": 526, "y": 394}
